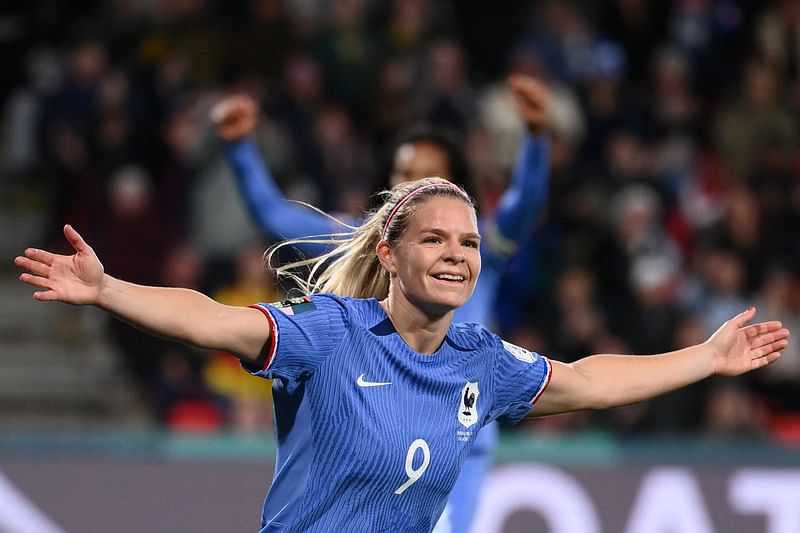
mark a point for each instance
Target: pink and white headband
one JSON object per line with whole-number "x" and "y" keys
{"x": 404, "y": 200}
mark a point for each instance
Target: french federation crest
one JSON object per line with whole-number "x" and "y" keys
{"x": 468, "y": 411}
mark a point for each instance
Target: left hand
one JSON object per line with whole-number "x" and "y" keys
{"x": 533, "y": 99}
{"x": 739, "y": 348}
{"x": 235, "y": 117}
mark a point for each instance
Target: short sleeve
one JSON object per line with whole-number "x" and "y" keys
{"x": 305, "y": 330}
{"x": 520, "y": 378}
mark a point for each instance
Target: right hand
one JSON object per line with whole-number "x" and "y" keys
{"x": 532, "y": 97}
{"x": 74, "y": 279}
{"x": 235, "y": 117}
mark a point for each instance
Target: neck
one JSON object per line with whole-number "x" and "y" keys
{"x": 423, "y": 333}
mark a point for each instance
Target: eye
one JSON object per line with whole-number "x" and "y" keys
{"x": 432, "y": 240}
{"x": 471, "y": 244}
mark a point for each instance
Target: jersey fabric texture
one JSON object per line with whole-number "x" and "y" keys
{"x": 371, "y": 435}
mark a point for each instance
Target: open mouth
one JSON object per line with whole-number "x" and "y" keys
{"x": 450, "y": 279}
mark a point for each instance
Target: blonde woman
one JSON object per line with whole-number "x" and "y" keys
{"x": 378, "y": 395}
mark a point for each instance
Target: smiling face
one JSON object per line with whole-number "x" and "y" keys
{"x": 436, "y": 263}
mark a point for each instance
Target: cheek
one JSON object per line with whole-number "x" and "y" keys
{"x": 416, "y": 267}
{"x": 407, "y": 264}
{"x": 475, "y": 266}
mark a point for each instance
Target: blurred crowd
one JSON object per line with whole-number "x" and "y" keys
{"x": 674, "y": 200}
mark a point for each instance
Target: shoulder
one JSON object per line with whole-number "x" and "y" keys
{"x": 298, "y": 306}
{"x": 364, "y": 311}
{"x": 471, "y": 336}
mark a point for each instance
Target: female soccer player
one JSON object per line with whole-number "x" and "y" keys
{"x": 379, "y": 397}
{"x": 421, "y": 152}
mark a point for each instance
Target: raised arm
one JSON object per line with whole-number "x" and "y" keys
{"x": 179, "y": 314}
{"x": 605, "y": 381}
{"x": 520, "y": 204}
{"x": 235, "y": 118}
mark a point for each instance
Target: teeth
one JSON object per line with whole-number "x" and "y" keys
{"x": 450, "y": 277}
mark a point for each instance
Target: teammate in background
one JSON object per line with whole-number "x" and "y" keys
{"x": 379, "y": 397}
{"x": 421, "y": 152}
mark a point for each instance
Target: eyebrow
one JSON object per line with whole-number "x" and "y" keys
{"x": 437, "y": 231}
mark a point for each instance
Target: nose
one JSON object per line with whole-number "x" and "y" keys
{"x": 454, "y": 253}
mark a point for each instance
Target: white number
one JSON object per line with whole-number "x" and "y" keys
{"x": 414, "y": 475}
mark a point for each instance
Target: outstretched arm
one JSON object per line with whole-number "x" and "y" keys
{"x": 179, "y": 314}
{"x": 605, "y": 381}
{"x": 235, "y": 118}
{"x": 520, "y": 204}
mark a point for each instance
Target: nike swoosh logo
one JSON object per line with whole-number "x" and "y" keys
{"x": 361, "y": 382}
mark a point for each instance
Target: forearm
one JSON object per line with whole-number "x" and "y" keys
{"x": 616, "y": 380}
{"x": 521, "y": 203}
{"x": 276, "y": 216}
{"x": 181, "y": 315}
{"x": 257, "y": 187}
{"x": 605, "y": 381}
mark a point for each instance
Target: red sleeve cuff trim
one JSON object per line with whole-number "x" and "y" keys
{"x": 546, "y": 381}
{"x": 272, "y": 346}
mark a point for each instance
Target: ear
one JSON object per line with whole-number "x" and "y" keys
{"x": 386, "y": 256}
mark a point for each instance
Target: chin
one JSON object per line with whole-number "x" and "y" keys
{"x": 437, "y": 303}
{"x": 445, "y": 305}
{"x": 452, "y": 301}
{"x": 438, "y": 308}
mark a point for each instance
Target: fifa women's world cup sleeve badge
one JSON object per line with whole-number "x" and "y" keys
{"x": 295, "y": 306}
{"x": 468, "y": 410}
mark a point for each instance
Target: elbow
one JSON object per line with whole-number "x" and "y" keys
{"x": 594, "y": 395}
{"x": 590, "y": 400}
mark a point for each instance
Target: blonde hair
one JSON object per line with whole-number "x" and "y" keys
{"x": 351, "y": 266}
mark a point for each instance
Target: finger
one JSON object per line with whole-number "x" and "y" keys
{"x": 744, "y": 317}
{"x": 529, "y": 91}
{"x": 76, "y": 241}
{"x": 762, "y": 328}
{"x": 220, "y": 111}
{"x": 42, "y": 256}
{"x": 45, "y": 296}
{"x": 766, "y": 360}
{"x": 36, "y": 281}
{"x": 523, "y": 80}
{"x": 35, "y": 267}
{"x": 232, "y": 108}
{"x": 247, "y": 103}
{"x": 517, "y": 83}
{"x": 768, "y": 338}
{"x": 514, "y": 79}
{"x": 767, "y": 349}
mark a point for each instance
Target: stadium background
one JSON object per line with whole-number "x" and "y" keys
{"x": 674, "y": 203}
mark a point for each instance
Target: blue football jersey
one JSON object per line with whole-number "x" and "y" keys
{"x": 371, "y": 435}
